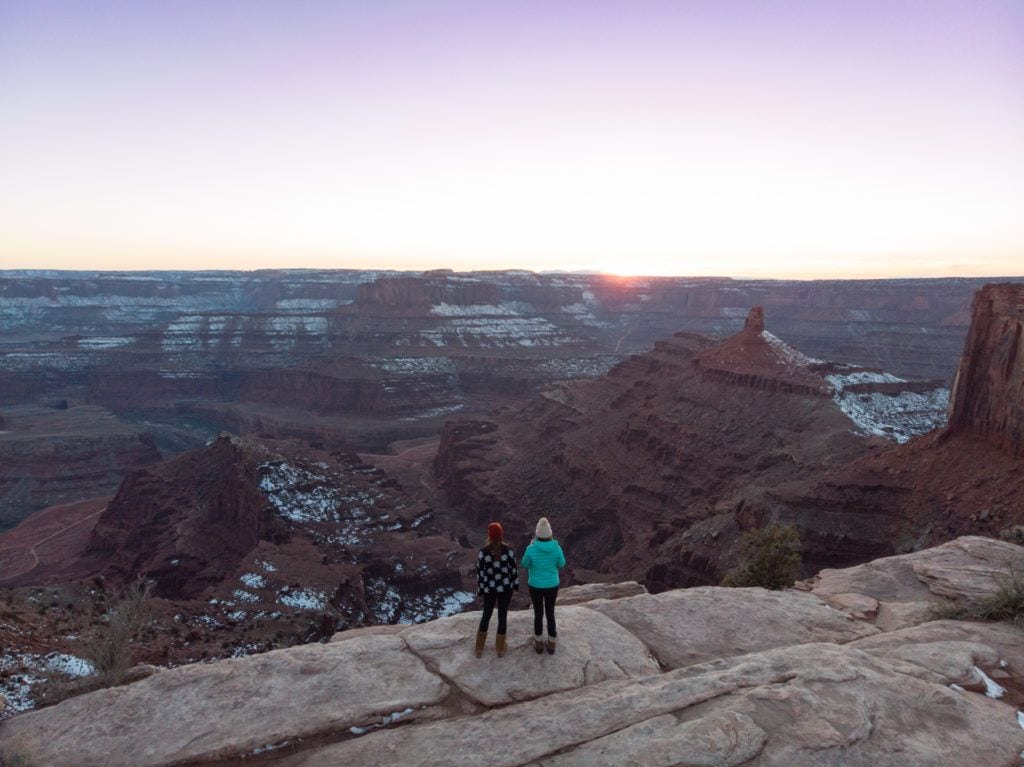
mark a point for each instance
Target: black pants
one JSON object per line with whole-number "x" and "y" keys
{"x": 502, "y": 600}
{"x": 544, "y": 604}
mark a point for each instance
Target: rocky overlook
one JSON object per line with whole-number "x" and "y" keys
{"x": 849, "y": 671}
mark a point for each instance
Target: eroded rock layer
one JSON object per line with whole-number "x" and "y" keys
{"x": 988, "y": 395}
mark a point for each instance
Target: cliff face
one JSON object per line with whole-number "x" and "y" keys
{"x": 187, "y": 522}
{"x": 988, "y": 394}
{"x": 50, "y": 456}
{"x": 652, "y": 471}
{"x": 966, "y": 479}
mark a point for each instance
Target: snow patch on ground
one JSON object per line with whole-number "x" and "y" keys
{"x": 385, "y": 721}
{"x": 416, "y": 365}
{"x": 99, "y": 343}
{"x": 307, "y": 304}
{"x": 893, "y": 416}
{"x": 31, "y": 669}
{"x": 299, "y": 494}
{"x": 992, "y": 688}
{"x": 245, "y": 597}
{"x": 456, "y": 602}
{"x": 579, "y": 367}
{"x": 303, "y": 599}
{"x": 390, "y": 605}
{"x": 505, "y": 309}
{"x": 583, "y": 313}
{"x": 788, "y": 354}
{"x": 254, "y": 580}
{"x": 434, "y": 412}
{"x": 497, "y": 332}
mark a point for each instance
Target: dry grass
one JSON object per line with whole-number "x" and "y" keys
{"x": 1005, "y": 604}
{"x": 110, "y": 651}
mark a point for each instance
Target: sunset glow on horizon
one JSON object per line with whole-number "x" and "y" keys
{"x": 757, "y": 139}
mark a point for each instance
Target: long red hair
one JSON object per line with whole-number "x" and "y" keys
{"x": 494, "y": 537}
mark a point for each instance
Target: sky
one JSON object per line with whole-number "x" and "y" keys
{"x": 728, "y": 137}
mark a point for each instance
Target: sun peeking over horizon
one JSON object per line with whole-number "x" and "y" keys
{"x": 750, "y": 139}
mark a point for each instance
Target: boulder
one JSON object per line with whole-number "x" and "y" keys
{"x": 906, "y": 588}
{"x": 691, "y": 626}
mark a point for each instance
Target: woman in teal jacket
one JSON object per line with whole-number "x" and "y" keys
{"x": 543, "y": 559}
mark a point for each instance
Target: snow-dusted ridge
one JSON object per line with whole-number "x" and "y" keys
{"x": 899, "y": 416}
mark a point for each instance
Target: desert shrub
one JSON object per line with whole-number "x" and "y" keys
{"x": 110, "y": 651}
{"x": 1013, "y": 534}
{"x": 769, "y": 558}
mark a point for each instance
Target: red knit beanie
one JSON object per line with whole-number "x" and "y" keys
{"x": 494, "y": 531}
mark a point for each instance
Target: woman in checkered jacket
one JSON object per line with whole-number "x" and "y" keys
{"x": 497, "y": 577}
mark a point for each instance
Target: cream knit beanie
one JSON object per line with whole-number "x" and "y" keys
{"x": 543, "y": 528}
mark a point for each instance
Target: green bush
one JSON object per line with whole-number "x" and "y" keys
{"x": 769, "y": 558}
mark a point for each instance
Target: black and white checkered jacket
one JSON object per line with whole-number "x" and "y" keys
{"x": 497, "y": 576}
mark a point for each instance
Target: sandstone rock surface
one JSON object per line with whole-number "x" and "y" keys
{"x": 906, "y": 588}
{"x": 690, "y": 626}
{"x": 234, "y": 706}
{"x": 816, "y": 704}
{"x": 747, "y": 677}
{"x": 591, "y": 649}
{"x": 587, "y": 592}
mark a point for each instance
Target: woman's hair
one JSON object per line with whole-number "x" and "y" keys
{"x": 495, "y": 546}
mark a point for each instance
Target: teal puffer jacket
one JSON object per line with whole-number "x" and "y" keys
{"x": 543, "y": 560}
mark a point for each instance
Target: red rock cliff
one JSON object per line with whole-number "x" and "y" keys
{"x": 988, "y": 393}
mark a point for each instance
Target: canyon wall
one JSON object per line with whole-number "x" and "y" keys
{"x": 988, "y": 393}
{"x": 357, "y": 360}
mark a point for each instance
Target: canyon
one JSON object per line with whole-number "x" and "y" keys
{"x": 357, "y": 360}
{"x": 651, "y": 470}
{"x": 655, "y": 471}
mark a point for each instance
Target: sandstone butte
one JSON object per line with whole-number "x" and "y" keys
{"x": 848, "y": 669}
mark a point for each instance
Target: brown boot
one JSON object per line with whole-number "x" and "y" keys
{"x": 499, "y": 645}
{"x": 481, "y": 640}
{"x": 538, "y": 645}
{"x": 551, "y": 645}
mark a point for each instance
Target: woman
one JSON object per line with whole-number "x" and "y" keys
{"x": 497, "y": 577}
{"x": 543, "y": 559}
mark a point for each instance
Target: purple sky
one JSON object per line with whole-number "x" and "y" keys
{"x": 747, "y": 138}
